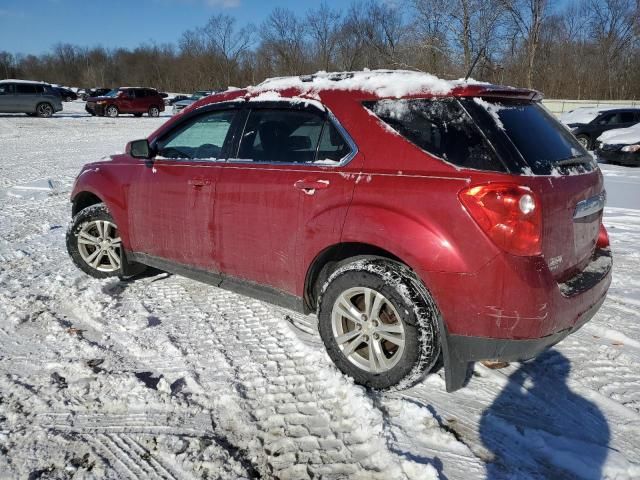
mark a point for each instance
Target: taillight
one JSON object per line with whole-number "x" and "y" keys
{"x": 603, "y": 237}
{"x": 509, "y": 214}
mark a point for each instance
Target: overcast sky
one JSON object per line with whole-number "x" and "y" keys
{"x": 33, "y": 26}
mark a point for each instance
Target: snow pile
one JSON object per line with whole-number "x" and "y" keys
{"x": 621, "y": 136}
{"x": 382, "y": 83}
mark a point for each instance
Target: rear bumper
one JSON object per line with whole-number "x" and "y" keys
{"x": 462, "y": 351}
{"x": 573, "y": 304}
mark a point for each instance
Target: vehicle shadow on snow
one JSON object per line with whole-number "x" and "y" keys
{"x": 537, "y": 424}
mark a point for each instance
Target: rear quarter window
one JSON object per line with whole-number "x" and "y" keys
{"x": 440, "y": 127}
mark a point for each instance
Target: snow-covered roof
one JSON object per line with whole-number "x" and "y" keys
{"x": 30, "y": 82}
{"x": 581, "y": 115}
{"x": 382, "y": 83}
{"x": 621, "y": 136}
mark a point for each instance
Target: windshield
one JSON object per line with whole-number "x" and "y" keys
{"x": 112, "y": 93}
{"x": 544, "y": 144}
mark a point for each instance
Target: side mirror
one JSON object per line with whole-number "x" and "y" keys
{"x": 140, "y": 149}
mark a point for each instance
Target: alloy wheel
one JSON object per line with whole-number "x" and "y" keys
{"x": 100, "y": 246}
{"x": 368, "y": 329}
{"x": 154, "y": 112}
{"x": 112, "y": 111}
{"x": 45, "y": 110}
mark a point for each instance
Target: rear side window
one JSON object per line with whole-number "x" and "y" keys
{"x": 279, "y": 135}
{"x": 440, "y": 127}
{"x": 545, "y": 145}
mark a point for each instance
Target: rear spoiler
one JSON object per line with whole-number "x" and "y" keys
{"x": 498, "y": 91}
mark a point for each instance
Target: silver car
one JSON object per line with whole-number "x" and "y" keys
{"x": 182, "y": 104}
{"x": 32, "y": 98}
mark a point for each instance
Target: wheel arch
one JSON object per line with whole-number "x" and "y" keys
{"x": 321, "y": 266}
{"x": 83, "y": 200}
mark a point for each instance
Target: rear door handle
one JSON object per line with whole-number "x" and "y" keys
{"x": 310, "y": 186}
{"x": 198, "y": 182}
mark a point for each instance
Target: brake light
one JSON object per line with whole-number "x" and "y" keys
{"x": 509, "y": 214}
{"x": 603, "y": 237}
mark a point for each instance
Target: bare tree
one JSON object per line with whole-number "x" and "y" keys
{"x": 323, "y": 25}
{"x": 528, "y": 17}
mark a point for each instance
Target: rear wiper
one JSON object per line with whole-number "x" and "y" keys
{"x": 581, "y": 160}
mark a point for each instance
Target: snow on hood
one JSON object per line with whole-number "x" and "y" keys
{"x": 621, "y": 136}
{"x": 383, "y": 83}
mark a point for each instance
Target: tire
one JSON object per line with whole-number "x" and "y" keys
{"x": 585, "y": 141}
{"x": 153, "y": 111}
{"x": 111, "y": 111}
{"x": 44, "y": 110}
{"x": 405, "y": 312}
{"x": 68, "y": 99}
{"x": 137, "y": 114}
{"x": 83, "y": 253}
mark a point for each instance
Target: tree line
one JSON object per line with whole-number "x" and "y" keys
{"x": 570, "y": 49}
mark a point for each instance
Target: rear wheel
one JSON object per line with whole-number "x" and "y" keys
{"x": 94, "y": 243}
{"x": 44, "y": 110}
{"x": 111, "y": 111}
{"x": 584, "y": 141}
{"x": 154, "y": 111}
{"x": 379, "y": 323}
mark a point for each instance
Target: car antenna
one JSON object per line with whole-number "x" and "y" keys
{"x": 473, "y": 65}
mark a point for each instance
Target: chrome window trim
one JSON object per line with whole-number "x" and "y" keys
{"x": 343, "y": 161}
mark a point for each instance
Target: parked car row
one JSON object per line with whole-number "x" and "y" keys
{"x": 613, "y": 133}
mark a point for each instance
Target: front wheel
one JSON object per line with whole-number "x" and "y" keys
{"x": 378, "y": 323}
{"x": 111, "y": 111}
{"x": 94, "y": 243}
{"x": 154, "y": 112}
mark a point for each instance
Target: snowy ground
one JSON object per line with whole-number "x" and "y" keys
{"x": 164, "y": 377}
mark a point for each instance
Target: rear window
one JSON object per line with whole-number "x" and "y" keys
{"x": 544, "y": 145}
{"x": 440, "y": 127}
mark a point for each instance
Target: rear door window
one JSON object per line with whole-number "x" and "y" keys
{"x": 440, "y": 127}
{"x": 626, "y": 117}
{"x": 281, "y": 135}
{"x": 25, "y": 89}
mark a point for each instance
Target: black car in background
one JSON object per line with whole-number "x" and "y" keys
{"x": 95, "y": 92}
{"x": 588, "y": 132}
{"x": 622, "y": 154}
{"x": 67, "y": 94}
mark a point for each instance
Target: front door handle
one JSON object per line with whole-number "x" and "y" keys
{"x": 310, "y": 186}
{"x": 199, "y": 182}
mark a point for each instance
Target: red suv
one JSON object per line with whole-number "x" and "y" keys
{"x": 127, "y": 100}
{"x": 420, "y": 219}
